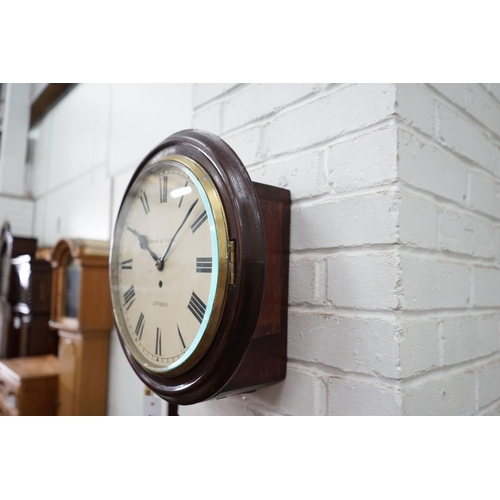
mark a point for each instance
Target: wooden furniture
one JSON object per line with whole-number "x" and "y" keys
{"x": 81, "y": 313}
{"x": 31, "y": 313}
{"x": 28, "y": 386}
{"x": 10, "y": 247}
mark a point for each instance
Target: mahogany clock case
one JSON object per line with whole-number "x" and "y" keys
{"x": 225, "y": 369}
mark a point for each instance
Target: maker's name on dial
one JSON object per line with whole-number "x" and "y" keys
{"x": 159, "y": 303}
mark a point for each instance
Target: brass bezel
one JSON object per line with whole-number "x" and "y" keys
{"x": 222, "y": 234}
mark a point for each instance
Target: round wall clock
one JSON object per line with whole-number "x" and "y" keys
{"x": 190, "y": 272}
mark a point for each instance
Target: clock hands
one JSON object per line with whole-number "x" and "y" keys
{"x": 160, "y": 262}
{"x": 143, "y": 242}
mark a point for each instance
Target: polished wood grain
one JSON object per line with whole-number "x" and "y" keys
{"x": 11, "y": 247}
{"x": 83, "y": 375}
{"x": 250, "y": 217}
{"x": 31, "y": 313}
{"x": 265, "y": 361}
{"x": 94, "y": 308}
{"x": 29, "y": 386}
{"x": 83, "y": 340}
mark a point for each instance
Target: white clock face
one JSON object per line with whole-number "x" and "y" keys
{"x": 168, "y": 265}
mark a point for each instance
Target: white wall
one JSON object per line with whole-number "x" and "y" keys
{"x": 395, "y": 264}
{"x": 335, "y": 148}
{"x": 16, "y": 205}
{"x": 15, "y": 125}
{"x": 394, "y": 277}
{"x": 86, "y": 149}
{"x": 449, "y": 168}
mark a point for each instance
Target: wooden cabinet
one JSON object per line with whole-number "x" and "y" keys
{"x": 81, "y": 313}
{"x": 31, "y": 314}
{"x": 28, "y": 386}
{"x": 10, "y": 247}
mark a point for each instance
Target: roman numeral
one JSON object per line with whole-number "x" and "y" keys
{"x": 203, "y": 264}
{"x": 158, "y": 342}
{"x": 180, "y": 337}
{"x": 197, "y": 307}
{"x": 140, "y": 326}
{"x": 126, "y": 264}
{"x": 182, "y": 197}
{"x": 163, "y": 189}
{"x": 199, "y": 221}
{"x": 145, "y": 204}
{"x": 129, "y": 297}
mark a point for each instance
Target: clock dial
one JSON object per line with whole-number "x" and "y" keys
{"x": 169, "y": 265}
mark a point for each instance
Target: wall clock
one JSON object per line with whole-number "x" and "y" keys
{"x": 199, "y": 272}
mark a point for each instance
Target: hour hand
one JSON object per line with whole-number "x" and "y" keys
{"x": 143, "y": 242}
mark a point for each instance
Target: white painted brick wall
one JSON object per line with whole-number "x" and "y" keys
{"x": 373, "y": 219}
{"x": 394, "y": 297}
{"x": 419, "y": 345}
{"x": 429, "y": 283}
{"x": 395, "y": 240}
{"x": 335, "y": 148}
{"x": 449, "y": 292}
{"x": 446, "y": 393}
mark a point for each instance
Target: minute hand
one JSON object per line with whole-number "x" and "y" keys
{"x": 143, "y": 243}
{"x": 160, "y": 261}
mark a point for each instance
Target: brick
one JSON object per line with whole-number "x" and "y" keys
{"x": 302, "y": 276}
{"x": 419, "y": 346}
{"x": 484, "y": 194}
{"x": 363, "y": 161}
{"x": 248, "y": 145}
{"x": 208, "y": 118}
{"x": 469, "y": 337}
{"x": 430, "y": 283}
{"x": 418, "y": 218}
{"x": 359, "y": 398}
{"x": 453, "y": 91}
{"x": 464, "y": 233}
{"x": 229, "y": 407}
{"x": 363, "y": 281}
{"x": 486, "y": 286}
{"x": 427, "y": 167}
{"x": 443, "y": 394}
{"x": 494, "y": 89}
{"x": 353, "y": 344}
{"x": 497, "y": 247}
{"x": 204, "y": 92}
{"x": 466, "y": 138}
{"x": 345, "y": 110}
{"x": 489, "y": 386}
{"x": 260, "y": 100}
{"x": 302, "y": 393}
{"x": 491, "y": 411}
{"x": 353, "y": 221}
{"x": 303, "y": 175}
{"x": 483, "y": 107}
{"x": 415, "y": 105}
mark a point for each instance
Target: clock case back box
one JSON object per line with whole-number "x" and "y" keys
{"x": 250, "y": 348}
